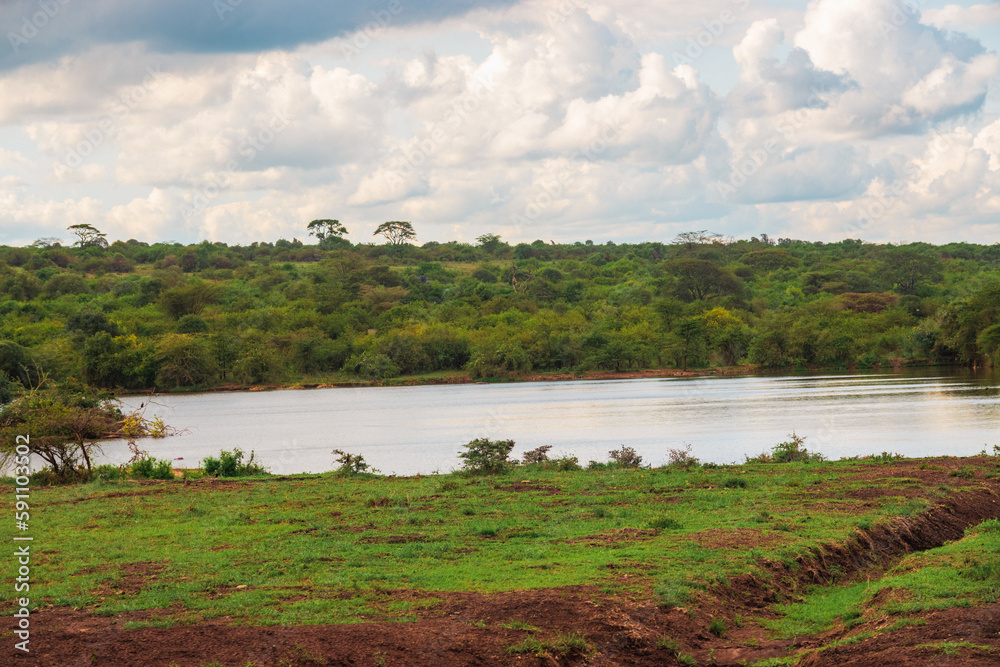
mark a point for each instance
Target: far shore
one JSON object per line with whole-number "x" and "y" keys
{"x": 461, "y": 378}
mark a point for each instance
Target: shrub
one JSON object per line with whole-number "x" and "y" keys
{"x": 108, "y": 472}
{"x": 681, "y": 458}
{"x": 626, "y": 457}
{"x": 371, "y": 366}
{"x": 788, "y": 452}
{"x": 539, "y": 455}
{"x": 152, "y": 468}
{"x": 350, "y": 464}
{"x": 665, "y": 523}
{"x": 717, "y": 627}
{"x": 735, "y": 483}
{"x": 230, "y": 464}
{"x": 564, "y": 464}
{"x": 486, "y": 456}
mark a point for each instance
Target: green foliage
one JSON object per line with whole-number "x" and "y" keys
{"x": 790, "y": 451}
{"x": 539, "y": 455}
{"x": 625, "y": 457}
{"x": 334, "y": 312}
{"x": 717, "y": 627}
{"x": 185, "y": 361}
{"x": 151, "y": 468}
{"x": 231, "y": 464}
{"x": 8, "y": 388}
{"x": 487, "y": 457}
{"x": 372, "y": 366}
{"x": 350, "y": 464}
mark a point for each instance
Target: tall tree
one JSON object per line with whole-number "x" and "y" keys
{"x": 89, "y": 236}
{"x": 396, "y": 232}
{"x": 326, "y": 230}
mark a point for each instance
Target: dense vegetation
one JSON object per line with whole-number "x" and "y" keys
{"x": 131, "y": 315}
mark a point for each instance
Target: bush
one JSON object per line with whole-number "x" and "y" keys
{"x": 788, "y": 452}
{"x": 681, "y": 458}
{"x": 486, "y": 456}
{"x": 564, "y": 464}
{"x": 539, "y": 455}
{"x": 152, "y": 468}
{"x": 230, "y": 464}
{"x": 735, "y": 483}
{"x": 108, "y": 472}
{"x": 8, "y": 388}
{"x": 350, "y": 464}
{"x": 626, "y": 457}
{"x": 792, "y": 450}
{"x": 371, "y": 366}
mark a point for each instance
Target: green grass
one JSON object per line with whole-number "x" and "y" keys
{"x": 563, "y": 644}
{"x": 333, "y": 549}
{"x": 963, "y": 573}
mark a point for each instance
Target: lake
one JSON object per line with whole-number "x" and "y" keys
{"x": 410, "y": 430}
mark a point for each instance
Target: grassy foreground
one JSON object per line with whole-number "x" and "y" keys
{"x": 333, "y": 549}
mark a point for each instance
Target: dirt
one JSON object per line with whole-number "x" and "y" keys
{"x": 455, "y": 629}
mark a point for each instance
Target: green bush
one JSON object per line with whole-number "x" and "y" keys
{"x": 230, "y": 464}
{"x": 626, "y": 457}
{"x": 790, "y": 451}
{"x": 152, "y": 468}
{"x": 109, "y": 473}
{"x": 539, "y": 455}
{"x": 350, "y": 464}
{"x": 487, "y": 457}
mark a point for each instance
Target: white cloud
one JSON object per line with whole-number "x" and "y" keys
{"x": 564, "y": 120}
{"x": 908, "y": 73}
{"x": 952, "y": 16}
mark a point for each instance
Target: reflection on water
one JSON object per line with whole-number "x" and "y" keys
{"x": 406, "y": 430}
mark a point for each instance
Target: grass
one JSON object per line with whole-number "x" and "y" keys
{"x": 962, "y": 573}
{"x": 563, "y": 644}
{"x": 334, "y": 549}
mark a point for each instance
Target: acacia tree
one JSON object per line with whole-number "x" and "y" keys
{"x": 326, "y": 230}
{"x": 89, "y": 236}
{"x": 396, "y": 232}
{"x": 66, "y": 423}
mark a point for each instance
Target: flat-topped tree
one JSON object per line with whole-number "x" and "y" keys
{"x": 397, "y": 232}
{"x": 88, "y": 236}
{"x": 326, "y": 230}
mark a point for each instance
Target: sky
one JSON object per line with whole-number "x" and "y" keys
{"x": 562, "y": 120}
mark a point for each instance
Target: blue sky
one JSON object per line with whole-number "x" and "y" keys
{"x": 562, "y": 120}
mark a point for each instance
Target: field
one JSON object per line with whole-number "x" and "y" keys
{"x": 878, "y": 561}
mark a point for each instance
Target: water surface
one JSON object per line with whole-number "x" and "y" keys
{"x": 409, "y": 430}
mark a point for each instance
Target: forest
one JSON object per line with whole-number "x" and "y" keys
{"x": 132, "y": 315}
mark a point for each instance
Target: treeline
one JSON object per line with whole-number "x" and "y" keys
{"x": 131, "y": 315}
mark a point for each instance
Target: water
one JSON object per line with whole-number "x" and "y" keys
{"x": 409, "y": 430}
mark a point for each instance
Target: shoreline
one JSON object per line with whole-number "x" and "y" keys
{"x": 419, "y": 381}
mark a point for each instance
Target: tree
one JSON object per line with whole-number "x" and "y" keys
{"x": 65, "y": 424}
{"x": 185, "y": 361}
{"x": 490, "y": 243}
{"x": 909, "y": 267}
{"x": 397, "y": 232}
{"x": 326, "y": 230}
{"x": 88, "y": 236}
{"x": 700, "y": 279}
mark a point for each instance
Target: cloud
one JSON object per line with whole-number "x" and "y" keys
{"x": 48, "y": 30}
{"x": 957, "y": 16}
{"x": 909, "y": 74}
